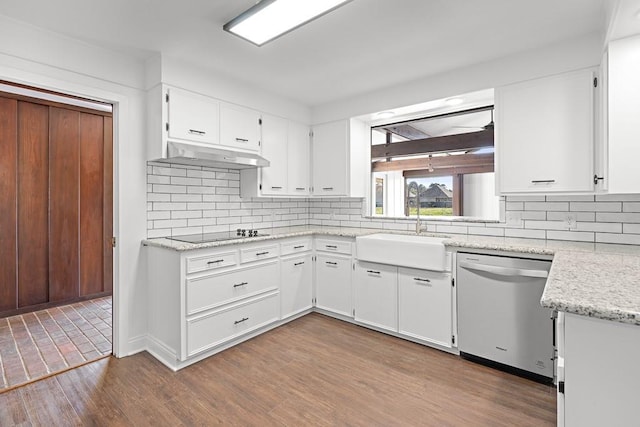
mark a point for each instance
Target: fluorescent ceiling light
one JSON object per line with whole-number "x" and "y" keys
{"x": 270, "y": 19}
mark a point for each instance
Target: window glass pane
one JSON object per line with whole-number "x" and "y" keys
{"x": 434, "y": 195}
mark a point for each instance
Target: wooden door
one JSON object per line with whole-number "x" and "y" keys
{"x": 55, "y": 204}
{"x": 33, "y": 204}
{"x": 8, "y": 203}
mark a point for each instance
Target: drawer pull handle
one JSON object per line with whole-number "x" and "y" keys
{"x": 298, "y": 263}
{"x": 331, "y": 263}
{"x": 215, "y": 262}
{"x": 261, "y": 253}
{"x": 244, "y": 319}
{"x": 327, "y": 188}
{"x": 373, "y": 272}
{"x": 197, "y": 132}
{"x": 276, "y": 188}
{"x": 300, "y": 188}
{"x": 298, "y": 247}
{"x": 331, "y": 246}
{"x": 418, "y": 279}
{"x": 543, "y": 181}
{"x": 242, "y": 140}
{"x": 237, "y": 285}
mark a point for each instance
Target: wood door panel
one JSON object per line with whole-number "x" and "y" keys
{"x": 64, "y": 204}
{"x": 33, "y": 204}
{"x": 107, "y": 213}
{"x": 91, "y": 198}
{"x": 8, "y": 203}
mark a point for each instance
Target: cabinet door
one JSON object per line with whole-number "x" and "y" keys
{"x": 376, "y": 295}
{"x": 333, "y": 284}
{"x": 193, "y": 117}
{"x": 330, "y": 159}
{"x": 296, "y": 285}
{"x": 299, "y": 159}
{"x": 239, "y": 127}
{"x": 274, "y": 149}
{"x": 424, "y": 301}
{"x": 545, "y": 134}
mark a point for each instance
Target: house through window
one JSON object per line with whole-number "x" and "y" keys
{"x": 442, "y": 165}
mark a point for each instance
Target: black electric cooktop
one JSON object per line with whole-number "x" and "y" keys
{"x": 215, "y": 237}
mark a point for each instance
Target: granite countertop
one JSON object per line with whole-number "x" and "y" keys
{"x": 595, "y": 280}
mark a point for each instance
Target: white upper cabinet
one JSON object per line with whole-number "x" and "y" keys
{"x": 340, "y": 158}
{"x": 239, "y": 127}
{"x": 286, "y": 145}
{"x": 299, "y": 159}
{"x": 192, "y": 117}
{"x": 274, "y": 149}
{"x": 621, "y": 112}
{"x": 545, "y": 134}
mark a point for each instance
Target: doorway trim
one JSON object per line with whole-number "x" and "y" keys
{"x": 103, "y": 92}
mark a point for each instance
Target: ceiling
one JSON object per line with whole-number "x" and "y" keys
{"x": 361, "y": 47}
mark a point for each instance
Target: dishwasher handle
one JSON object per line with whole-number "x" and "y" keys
{"x": 503, "y": 271}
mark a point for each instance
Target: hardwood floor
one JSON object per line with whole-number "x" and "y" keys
{"x": 313, "y": 371}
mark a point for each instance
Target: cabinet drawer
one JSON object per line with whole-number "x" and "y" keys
{"x": 258, "y": 253}
{"x": 210, "y": 330}
{"x": 338, "y": 246}
{"x": 211, "y": 261}
{"x": 207, "y": 292}
{"x": 289, "y": 248}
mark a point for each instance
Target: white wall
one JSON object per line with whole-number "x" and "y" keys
{"x": 478, "y": 196}
{"x": 43, "y": 59}
{"x": 573, "y": 54}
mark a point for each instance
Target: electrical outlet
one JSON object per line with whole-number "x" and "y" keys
{"x": 570, "y": 220}
{"x": 514, "y": 218}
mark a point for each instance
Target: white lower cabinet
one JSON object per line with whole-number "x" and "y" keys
{"x": 212, "y": 329}
{"x": 333, "y": 283}
{"x": 296, "y": 284}
{"x": 601, "y": 372}
{"x": 376, "y": 295}
{"x": 425, "y": 306}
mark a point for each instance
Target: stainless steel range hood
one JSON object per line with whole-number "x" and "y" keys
{"x": 208, "y": 155}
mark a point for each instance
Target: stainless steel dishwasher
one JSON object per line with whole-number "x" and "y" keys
{"x": 500, "y": 318}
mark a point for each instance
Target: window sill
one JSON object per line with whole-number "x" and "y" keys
{"x": 437, "y": 218}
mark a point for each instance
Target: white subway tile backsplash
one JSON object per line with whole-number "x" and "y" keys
{"x": 186, "y": 197}
{"x": 179, "y": 180}
{"x": 573, "y": 198}
{"x": 604, "y": 227}
{"x": 162, "y": 188}
{"x": 186, "y": 214}
{"x": 515, "y": 206}
{"x": 192, "y": 199}
{"x": 545, "y": 225}
{"x": 631, "y": 207}
{"x": 580, "y": 216}
{"x": 618, "y": 217}
{"x": 579, "y": 236}
{"x": 595, "y": 207}
{"x": 158, "y": 179}
{"x": 631, "y": 228}
{"x": 546, "y": 206}
{"x": 525, "y": 234}
{"x": 624, "y": 239}
{"x": 618, "y": 198}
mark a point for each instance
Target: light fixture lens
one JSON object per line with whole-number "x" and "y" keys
{"x": 384, "y": 115}
{"x": 262, "y": 24}
{"x": 453, "y": 101}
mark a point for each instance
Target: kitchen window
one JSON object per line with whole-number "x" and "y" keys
{"x": 442, "y": 165}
